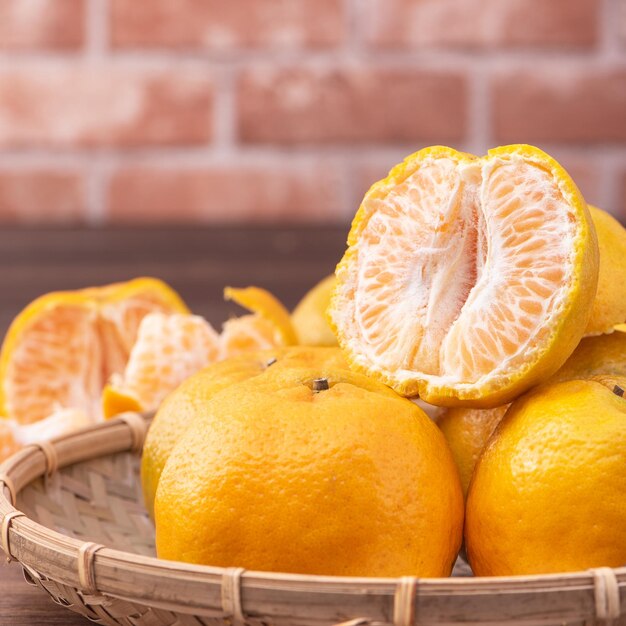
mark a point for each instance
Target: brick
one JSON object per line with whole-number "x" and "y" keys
{"x": 481, "y": 23}
{"x": 560, "y": 104}
{"x": 350, "y": 105}
{"x": 104, "y": 105}
{"x": 242, "y": 194}
{"x": 219, "y": 25}
{"x": 41, "y": 24}
{"x": 41, "y": 196}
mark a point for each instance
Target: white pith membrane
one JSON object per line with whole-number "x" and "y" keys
{"x": 67, "y": 354}
{"x": 458, "y": 272}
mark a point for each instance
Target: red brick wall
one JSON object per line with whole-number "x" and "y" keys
{"x": 153, "y": 111}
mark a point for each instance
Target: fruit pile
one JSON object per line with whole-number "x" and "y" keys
{"x": 482, "y": 290}
{"x": 72, "y": 358}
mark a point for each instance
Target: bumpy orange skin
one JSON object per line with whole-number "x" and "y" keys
{"x": 188, "y": 402}
{"x": 609, "y": 307}
{"x": 565, "y": 331}
{"x": 309, "y": 316}
{"x": 549, "y": 491}
{"x": 594, "y": 356}
{"x": 467, "y": 432}
{"x": 351, "y": 481}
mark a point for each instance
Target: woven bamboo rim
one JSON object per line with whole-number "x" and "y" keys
{"x": 206, "y": 595}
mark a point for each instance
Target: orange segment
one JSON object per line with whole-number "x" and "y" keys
{"x": 467, "y": 279}
{"x": 248, "y": 333}
{"x": 123, "y": 307}
{"x": 62, "y": 347}
{"x": 168, "y": 349}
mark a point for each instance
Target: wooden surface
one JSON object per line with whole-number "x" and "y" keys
{"x": 197, "y": 262}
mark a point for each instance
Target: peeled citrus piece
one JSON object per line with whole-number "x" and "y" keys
{"x": 168, "y": 349}
{"x": 117, "y": 399}
{"x": 269, "y": 326}
{"x": 61, "y": 348}
{"x": 121, "y": 309}
{"x": 467, "y": 280}
{"x": 609, "y": 307}
{"x": 247, "y": 333}
{"x": 309, "y": 316}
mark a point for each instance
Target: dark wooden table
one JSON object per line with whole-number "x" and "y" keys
{"x": 198, "y": 263}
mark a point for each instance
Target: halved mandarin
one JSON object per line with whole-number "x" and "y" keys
{"x": 467, "y": 280}
{"x": 63, "y": 347}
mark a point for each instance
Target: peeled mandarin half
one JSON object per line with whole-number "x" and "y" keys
{"x": 467, "y": 280}
{"x": 61, "y": 349}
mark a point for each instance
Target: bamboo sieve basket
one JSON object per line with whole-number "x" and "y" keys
{"x": 64, "y": 505}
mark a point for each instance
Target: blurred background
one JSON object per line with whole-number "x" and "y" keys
{"x": 153, "y": 112}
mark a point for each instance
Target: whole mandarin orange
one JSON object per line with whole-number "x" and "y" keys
{"x": 549, "y": 491}
{"x": 275, "y": 475}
